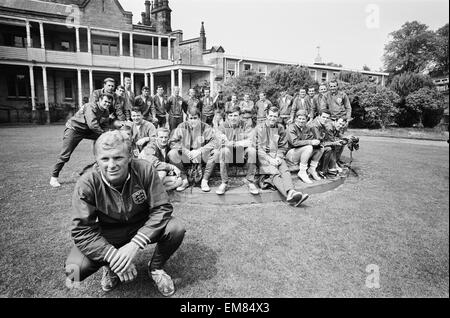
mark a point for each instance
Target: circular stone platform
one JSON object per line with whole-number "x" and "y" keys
{"x": 237, "y": 192}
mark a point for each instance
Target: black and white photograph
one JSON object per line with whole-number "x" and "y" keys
{"x": 242, "y": 151}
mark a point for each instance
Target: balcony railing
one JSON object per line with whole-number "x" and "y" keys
{"x": 77, "y": 58}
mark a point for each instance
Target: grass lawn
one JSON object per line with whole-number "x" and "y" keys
{"x": 395, "y": 215}
{"x": 414, "y": 133}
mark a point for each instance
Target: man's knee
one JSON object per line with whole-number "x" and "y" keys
{"x": 291, "y": 154}
{"x": 162, "y": 174}
{"x": 251, "y": 154}
{"x": 78, "y": 266}
{"x": 225, "y": 155}
{"x": 175, "y": 229}
{"x": 307, "y": 149}
{"x": 327, "y": 150}
{"x": 174, "y": 156}
{"x": 210, "y": 155}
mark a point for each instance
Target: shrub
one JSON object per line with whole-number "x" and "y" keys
{"x": 373, "y": 106}
{"x": 406, "y": 83}
{"x": 248, "y": 82}
{"x": 428, "y": 104}
{"x": 290, "y": 78}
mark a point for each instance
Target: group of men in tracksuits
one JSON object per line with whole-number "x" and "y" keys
{"x": 120, "y": 204}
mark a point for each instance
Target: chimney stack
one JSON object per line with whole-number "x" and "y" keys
{"x": 202, "y": 37}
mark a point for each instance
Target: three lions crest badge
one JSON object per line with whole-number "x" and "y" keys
{"x": 139, "y": 197}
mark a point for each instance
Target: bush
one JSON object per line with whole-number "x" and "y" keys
{"x": 428, "y": 104}
{"x": 406, "y": 83}
{"x": 352, "y": 77}
{"x": 246, "y": 83}
{"x": 373, "y": 106}
{"x": 290, "y": 78}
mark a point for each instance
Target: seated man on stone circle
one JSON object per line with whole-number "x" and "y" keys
{"x": 119, "y": 207}
{"x": 156, "y": 152}
{"x": 319, "y": 128}
{"x": 335, "y": 140}
{"x": 193, "y": 142}
{"x": 271, "y": 146}
{"x": 305, "y": 149}
{"x": 236, "y": 137}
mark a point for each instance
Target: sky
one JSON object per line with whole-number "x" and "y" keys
{"x": 349, "y": 32}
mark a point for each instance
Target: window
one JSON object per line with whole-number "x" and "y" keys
{"x": 17, "y": 86}
{"x": 113, "y": 49}
{"x": 98, "y": 83}
{"x": 65, "y": 45}
{"x": 247, "y": 66}
{"x": 324, "y": 76}
{"x": 262, "y": 69}
{"x": 96, "y": 48}
{"x": 20, "y": 41}
{"x": 21, "y": 85}
{"x": 335, "y": 75}
{"x": 105, "y": 48}
{"x": 312, "y": 74}
{"x": 231, "y": 68}
{"x": 68, "y": 92}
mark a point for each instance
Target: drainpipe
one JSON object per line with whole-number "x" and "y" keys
{"x": 237, "y": 71}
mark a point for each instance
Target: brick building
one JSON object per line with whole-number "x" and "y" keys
{"x": 53, "y": 53}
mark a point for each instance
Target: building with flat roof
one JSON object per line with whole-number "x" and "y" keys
{"x": 54, "y": 53}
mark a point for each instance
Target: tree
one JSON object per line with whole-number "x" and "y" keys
{"x": 247, "y": 83}
{"x": 290, "y": 78}
{"x": 352, "y": 77}
{"x": 375, "y": 104}
{"x": 366, "y": 68}
{"x": 406, "y": 83}
{"x": 440, "y": 54}
{"x": 428, "y": 104}
{"x": 410, "y": 49}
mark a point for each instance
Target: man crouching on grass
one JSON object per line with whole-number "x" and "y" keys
{"x": 119, "y": 207}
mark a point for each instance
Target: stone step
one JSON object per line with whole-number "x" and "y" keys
{"x": 238, "y": 191}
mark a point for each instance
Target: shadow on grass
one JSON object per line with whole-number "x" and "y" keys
{"x": 192, "y": 263}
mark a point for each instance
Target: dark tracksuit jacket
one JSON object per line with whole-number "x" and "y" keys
{"x": 194, "y": 103}
{"x": 297, "y": 105}
{"x": 187, "y": 138}
{"x": 147, "y": 106}
{"x": 104, "y": 218}
{"x": 339, "y": 105}
{"x": 270, "y": 141}
{"x": 121, "y": 110}
{"x": 153, "y": 154}
{"x": 208, "y": 106}
{"x": 159, "y": 109}
{"x": 91, "y": 118}
{"x": 332, "y": 135}
{"x": 285, "y": 106}
{"x": 176, "y": 106}
{"x": 299, "y": 137}
{"x": 95, "y": 96}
